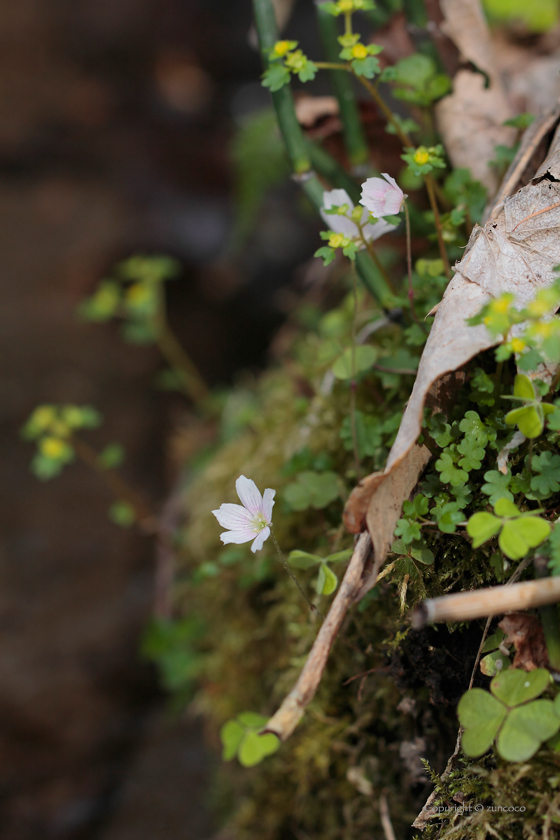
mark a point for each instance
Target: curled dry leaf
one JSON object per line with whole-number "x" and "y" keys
{"x": 471, "y": 118}
{"x": 515, "y": 252}
{"x": 526, "y": 634}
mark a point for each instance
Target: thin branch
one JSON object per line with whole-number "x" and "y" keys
{"x": 291, "y": 711}
{"x": 385, "y": 817}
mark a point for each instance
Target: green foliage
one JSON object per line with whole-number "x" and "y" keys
{"x": 312, "y": 489}
{"x": 547, "y": 480}
{"x": 171, "y": 646}
{"x": 52, "y": 427}
{"x": 537, "y": 16}
{"x": 327, "y": 581}
{"x": 497, "y": 486}
{"x": 523, "y": 723}
{"x": 360, "y": 358}
{"x": 241, "y": 737}
{"x": 417, "y": 81}
{"x": 112, "y": 456}
{"x": 122, "y": 513}
{"x": 529, "y": 418}
{"x": 259, "y": 162}
{"x": 518, "y": 532}
{"x": 423, "y": 160}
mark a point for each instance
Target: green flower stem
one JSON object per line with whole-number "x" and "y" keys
{"x": 328, "y": 167}
{"x": 372, "y": 275}
{"x": 371, "y": 251}
{"x": 549, "y": 617}
{"x": 353, "y": 379}
{"x": 384, "y": 108}
{"x": 409, "y": 268}
{"x": 429, "y": 181}
{"x": 354, "y": 136}
{"x": 310, "y": 604}
{"x": 282, "y": 99}
{"x": 173, "y": 352}
{"x": 145, "y": 518}
{"x": 298, "y": 150}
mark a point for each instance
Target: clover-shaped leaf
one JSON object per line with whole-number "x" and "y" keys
{"x": 408, "y": 530}
{"x": 547, "y": 481}
{"x": 496, "y": 486}
{"x": 523, "y": 723}
{"x": 449, "y": 473}
{"x": 514, "y": 686}
{"x": 472, "y": 453}
{"x": 518, "y": 531}
{"x": 481, "y": 715}
{"x": 241, "y": 737}
{"x": 448, "y": 517}
{"x": 525, "y": 729}
{"x": 530, "y": 417}
{"x": 312, "y": 489}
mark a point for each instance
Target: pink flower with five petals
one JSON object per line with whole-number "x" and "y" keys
{"x": 250, "y": 522}
{"x": 382, "y": 197}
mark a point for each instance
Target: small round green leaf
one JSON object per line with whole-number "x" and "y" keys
{"x": 364, "y": 358}
{"x": 231, "y": 735}
{"x": 255, "y": 747}
{"x": 303, "y": 560}
{"x": 514, "y": 686}
{"x": 523, "y": 387}
{"x": 327, "y": 580}
{"x": 482, "y": 526}
{"x": 525, "y": 728}
{"x": 252, "y": 720}
{"x": 481, "y": 715}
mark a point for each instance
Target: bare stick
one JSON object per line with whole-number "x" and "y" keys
{"x": 291, "y": 711}
{"x": 482, "y": 603}
{"x": 386, "y": 817}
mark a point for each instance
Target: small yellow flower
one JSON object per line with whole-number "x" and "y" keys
{"x": 52, "y": 447}
{"x": 346, "y": 5}
{"x": 281, "y": 48}
{"x": 137, "y": 294}
{"x": 518, "y": 345}
{"x": 43, "y": 416}
{"x": 338, "y": 240}
{"x": 359, "y": 51}
{"x": 421, "y": 156}
{"x": 545, "y": 329}
{"x": 501, "y": 306}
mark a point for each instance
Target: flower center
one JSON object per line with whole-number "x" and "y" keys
{"x": 259, "y": 523}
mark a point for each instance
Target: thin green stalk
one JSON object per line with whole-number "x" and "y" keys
{"x": 354, "y": 136}
{"x": 353, "y": 383}
{"x": 282, "y": 99}
{"x": 298, "y": 151}
{"x": 437, "y": 221}
{"x": 549, "y": 617}
{"x": 309, "y": 603}
{"x": 384, "y": 108}
{"x": 330, "y": 169}
{"x": 371, "y": 251}
{"x": 409, "y": 267}
{"x": 145, "y": 518}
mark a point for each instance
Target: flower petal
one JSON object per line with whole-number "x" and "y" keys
{"x": 391, "y": 181}
{"x": 339, "y": 224}
{"x": 233, "y": 516}
{"x": 268, "y": 502}
{"x": 393, "y": 202}
{"x": 335, "y": 198}
{"x": 237, "y": 537}
{"x": 259, "y": 539}
{"x": 249, "y": 494}
{"x": 375, "y": 231}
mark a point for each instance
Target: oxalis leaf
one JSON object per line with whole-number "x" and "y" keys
{"x": 517, "y": 532}
{"x": 525, "y": 729}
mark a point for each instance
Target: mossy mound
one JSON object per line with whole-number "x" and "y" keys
{"x": 388, "y": 697}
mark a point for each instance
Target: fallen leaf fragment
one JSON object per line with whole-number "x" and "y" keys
{"x": 526, "y": 634}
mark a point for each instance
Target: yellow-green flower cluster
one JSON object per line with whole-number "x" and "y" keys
{"x": 52, "y": 428}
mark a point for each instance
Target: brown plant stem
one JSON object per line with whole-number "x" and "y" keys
{"x": 119, "y": 488}
{"x": 437, "y": 220}
{"x": 409, "y": 268}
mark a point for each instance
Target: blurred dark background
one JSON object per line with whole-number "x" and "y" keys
{"x": 116, "y": 120}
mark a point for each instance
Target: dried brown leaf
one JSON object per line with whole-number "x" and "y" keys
{"x": 526, "y": 634}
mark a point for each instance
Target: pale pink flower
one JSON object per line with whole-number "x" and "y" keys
{"x": 250, "y": 522}
{"x": 345, "y": 225}
{"x": 382, "y": 197}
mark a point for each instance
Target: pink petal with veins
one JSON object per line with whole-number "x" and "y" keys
{"x": 249, "y": 494}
